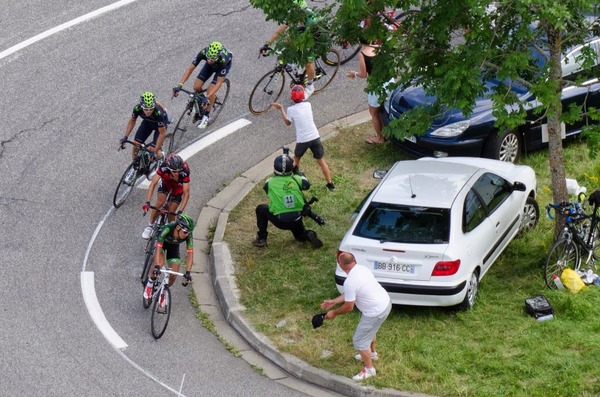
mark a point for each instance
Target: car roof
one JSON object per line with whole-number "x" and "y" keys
{"x": 426, "y": 182}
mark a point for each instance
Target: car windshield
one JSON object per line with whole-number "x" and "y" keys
{"x": 404, "y": 224}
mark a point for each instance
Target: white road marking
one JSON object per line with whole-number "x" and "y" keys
{"x": 64, "y": 26}
{"x": 204, "y": 143}
{"x": 93, "y": 306}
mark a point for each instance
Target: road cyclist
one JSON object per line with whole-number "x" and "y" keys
{"x": 154, "y": 120}
{"x": 173, "y": 176}
{"x": 169, "y": 238}
{"x": 218, "y": 61}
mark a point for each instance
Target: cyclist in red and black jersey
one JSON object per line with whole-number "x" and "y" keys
{"x": 168, "y": 240}
{"x": 218, "y": 62}
{"x": 154, "y": 119}
{"x": 172, "y": 176}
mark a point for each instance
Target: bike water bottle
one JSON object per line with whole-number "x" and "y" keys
{"x": 558, "y": 283}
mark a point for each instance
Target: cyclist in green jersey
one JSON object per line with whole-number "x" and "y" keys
{"x": 169, "y": 238}
{"x": 286, "y": 203}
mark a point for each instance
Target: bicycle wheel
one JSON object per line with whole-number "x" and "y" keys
{"x": 184, "y": 123}
{"x": 563, "y": 254}
{"x": 161, "y": 311}
{"x": 125, "y": 185}
{"x": 167, "y": 144}
{"x": 266, "y": 91}
{"x": 346, "y": 52}
{"x": 324, "y": 71}
{"x": 149, "y": 259}
{"x": 220, "y": 100}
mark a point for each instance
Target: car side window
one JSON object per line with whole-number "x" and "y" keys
{"x": 572, "y": 63}
{"x": 473, "y": 212}
{"x": 492, "y": 189}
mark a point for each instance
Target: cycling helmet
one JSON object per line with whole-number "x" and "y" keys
{"x": 283, "y": 165}
{"x": 214, "y": 50}
{"x": 297, "y": 93}
{"x": 147, "y": 100}
{"x": 185, "y": 222}
{"x": 301, "y": 3}
{"x": 174, "y": 162}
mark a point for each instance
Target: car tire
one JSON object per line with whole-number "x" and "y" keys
{"x": 504, "y": 147}
{"x": 471, "y": 294}
{"x": 531, "y": 214}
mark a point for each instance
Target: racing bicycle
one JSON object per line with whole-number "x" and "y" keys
{"x": 141, "y": 165}
{"x": 194, "y": 109}
{"x": 150, "y": 249}
{"x": 578, "y": 244}
{"x": 270, "y": 86}
{"x": 161, "y": 296}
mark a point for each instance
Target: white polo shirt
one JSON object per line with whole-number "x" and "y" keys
{"x": 368, "y": 295}
{"x": 301, "y": 116}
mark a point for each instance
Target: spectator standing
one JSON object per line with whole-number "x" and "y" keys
{"x": 361, "y": 289}
{"x": 307, "y": 133}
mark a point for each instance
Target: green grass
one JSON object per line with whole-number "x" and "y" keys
{"x": 495, "y": 349}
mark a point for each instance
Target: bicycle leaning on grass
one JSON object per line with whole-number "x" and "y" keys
{"x": 195, "y": 108}
{"x": 269, "y": 87}
{"x": 143, "y": 164}
{"x": 579, "y": 241}
{"x": 161, "y": 296}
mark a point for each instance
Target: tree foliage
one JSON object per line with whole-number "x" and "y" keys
{"x": 452, "y": 47}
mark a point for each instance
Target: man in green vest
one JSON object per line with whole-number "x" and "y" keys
{"x": 286, "y": 202}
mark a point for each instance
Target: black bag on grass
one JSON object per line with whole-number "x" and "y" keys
{"x": 538, "y": 306}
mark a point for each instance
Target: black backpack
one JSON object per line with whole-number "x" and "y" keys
{"x": 538, "y": 306}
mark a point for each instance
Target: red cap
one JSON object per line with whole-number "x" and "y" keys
{"x": 297, "y": 93}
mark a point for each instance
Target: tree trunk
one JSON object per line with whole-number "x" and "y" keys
{"x": 555, "y": 148}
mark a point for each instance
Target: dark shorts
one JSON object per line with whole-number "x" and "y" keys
{"x": 145, "y": 129}
{"x": 174, "y": 198}
{"x": 207, "y": 71}
{"x": 315, "y": 146}
{"x": 171, "y": 251}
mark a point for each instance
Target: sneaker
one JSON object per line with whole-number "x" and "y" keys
{"x": 259, "y": 242}
{"x": 148, "y": 290}
{"x": 308, "y": 91}
{"x": 147, "y": 232}
{"x": 330, "y": 186}
{"x": 374, "y": 356}
{"x": 203, "y": 123}
{"x": 312, "y": 237}
{"x": 364, "y": 374}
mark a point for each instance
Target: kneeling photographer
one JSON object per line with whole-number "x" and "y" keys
{"x": 287, "y": 204}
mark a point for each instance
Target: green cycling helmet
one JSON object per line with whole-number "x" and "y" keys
{"x": 214, "y": 49}
{"x": 147, "y": 100}
{"x": 185, "y": 222}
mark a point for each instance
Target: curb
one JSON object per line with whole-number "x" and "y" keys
{"x": 217, "y": 272}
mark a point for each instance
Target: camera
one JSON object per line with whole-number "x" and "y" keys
{"x": 308, "y": 212}
{"x": 286, "y": 150}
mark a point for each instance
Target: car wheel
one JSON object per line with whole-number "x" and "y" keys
{"x": 503, "y": 147}
{"x": 472, "y": 289}
{"x": 531, "y": 214}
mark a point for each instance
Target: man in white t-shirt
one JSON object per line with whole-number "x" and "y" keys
{"x": 361, "y": 289}
{"x": 307, "y": 134}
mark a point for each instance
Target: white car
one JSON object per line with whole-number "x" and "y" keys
{"x": 432, "y": 227}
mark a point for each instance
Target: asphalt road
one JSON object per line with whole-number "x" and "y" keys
{"x": 65, "y": 102}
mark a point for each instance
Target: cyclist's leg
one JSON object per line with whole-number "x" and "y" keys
{"x": 142, "y": 133}
{"x": 299, "y": 150}
{"x": 173, "y": 260}
{"x": 174, "y": 202}
{"x": 161, "y": 197}
{"x": 309, "y": 69}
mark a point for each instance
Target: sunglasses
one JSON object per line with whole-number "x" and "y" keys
{"x": 148, "y": 109}
{"x": 174, "y": 171}
{"x": 184, "y": 230}
{"x": 214, "y": 59}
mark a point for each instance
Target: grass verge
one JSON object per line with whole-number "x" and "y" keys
{"x": 493, "y": 350}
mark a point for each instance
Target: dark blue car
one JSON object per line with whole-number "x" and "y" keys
{"x": 451, "y": 134}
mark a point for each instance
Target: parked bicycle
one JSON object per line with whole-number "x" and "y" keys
{"x": 143, "y": 164}
{"x": 578, "y": 244}
{"x": 269, "y": 87}
{"x": 193, "y": 112}
{"x": 161, "y": 296}
{"x": 161, "y": 220}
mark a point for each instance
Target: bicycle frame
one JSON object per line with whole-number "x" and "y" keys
{"x": 142, "y": 164}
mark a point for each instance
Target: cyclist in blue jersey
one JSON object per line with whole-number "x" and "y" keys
{"x": 218, "y": 62}
{"x": 154, "y": 120}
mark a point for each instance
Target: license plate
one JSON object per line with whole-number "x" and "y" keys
{"x": 411, "y": 138}
{"x": 394, "y": 267}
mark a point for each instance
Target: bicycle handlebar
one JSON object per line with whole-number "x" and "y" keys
{"x": 163, "y": 210}
{"x": 143, "y": 146}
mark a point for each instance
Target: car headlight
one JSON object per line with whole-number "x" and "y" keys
{"x": 451, "y": 130}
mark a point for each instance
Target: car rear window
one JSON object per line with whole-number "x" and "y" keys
{"x": 404, "y": 224}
